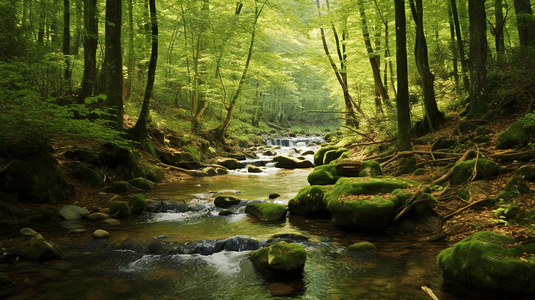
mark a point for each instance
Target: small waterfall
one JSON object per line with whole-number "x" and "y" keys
{"x": 299, "y": 141}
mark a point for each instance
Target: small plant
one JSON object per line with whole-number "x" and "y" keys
{"x": 505, "y": 213}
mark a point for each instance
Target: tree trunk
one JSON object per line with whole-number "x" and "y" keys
{"x": 113, "y": 64}
{"x": 403, "y": 108}
{"x": 90, "y": 49}
{"x": 130, "y": 59}
{"x": 525, "y": 21}
{"x": 140, "y": 129}
{"x": 478, "y": 57}
{"x": 454, "y": 50}
{"x": 67, "y": 42}
{"x": 462, "y": 56}
{"x": 498, "y": 30}
{"x": 432, "y": 115}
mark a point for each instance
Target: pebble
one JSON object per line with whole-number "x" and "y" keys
{"x": 101, "y": 234}
{"x": 112, "y": 222}
{"x": 98, "y": 216}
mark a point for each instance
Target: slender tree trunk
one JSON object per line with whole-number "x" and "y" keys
{"x": 90, "y": 50}
{"x": 478, "y": 58}
{"x": 498, "y": 30}
{"x": 403, "y": 107}
{"x": 140, "y": 129}
{"x": 221, "y": 131}
{"x": 130, "y": 59}
{"x": 525, "y": 21}
{"x": 113, "y": 63}
{"x": 67, "y": 42}
{"x": 462, "y": 56}
{"x": 454, "y": 51}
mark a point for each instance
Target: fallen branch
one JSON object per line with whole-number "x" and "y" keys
{"x": 445, "y": 217}
{"x": 191, "y": 172}
{"x": 429, "y": 293}
{"x": 445, "y": 177}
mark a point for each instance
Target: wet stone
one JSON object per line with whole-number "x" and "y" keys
{"x": 73, "y": 212}
{"x": 112, "y": 222}
{"x": 78, "y": 231}
{"x": 98, "y": 216}
{"x": 72, "y": 224}
{"x": 28, "y": 231}
{"x": 101, "y": 234}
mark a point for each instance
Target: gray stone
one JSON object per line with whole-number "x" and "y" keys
{"x": 101, "y": 234}
{"x": 28, "y": 231}
{"x": 98, "y": 216}
{"x": 73, "y": 212}
{"x": 253, "y": 169}
{"x": 80, "y": 230}
{"x": 112, "y": 222}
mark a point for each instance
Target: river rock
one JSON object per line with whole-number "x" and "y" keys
{"x": 362, "y": 247}
{"x": 101, "y": 234}
{"x": 73, "y": 212}
{"x": 323, "y": 175}
{"x": 209, "y": 171}
{"x": 281, "y": 258}
{"x": 78, "y": 231}
{"x": 137, "y": 203}
{"x": 253, "y": 169}
{"x": 42, "y": 250}
{"x": 488, "y": 260}
{"x": 266, "y": 211}
{"x": 225, "y": 212}
{"x": 120, "y": 209}
{"x": 98, "y": 216}
{"x": 111, "y": 222}
{"x": 309, "y": 202}
{"x": 208, "y": 247}
{"x": 28, "y": 231}
{"x": 274, "y": 196}
{"x": 226, "y": 201}
{"x": 229, "y": 163}
{"x": 286, "y": 162}
{"x": 156, "y": 207}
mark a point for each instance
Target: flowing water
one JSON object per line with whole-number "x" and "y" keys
{"x": 145, "y": 257}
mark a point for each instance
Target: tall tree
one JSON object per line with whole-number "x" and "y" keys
{"x": 67, "y": 42}
{"x": 221, "y": 131}
{"x": 432, "y": 114}
{"x": 89, "y": 78}
{"x": 113, "y": 62}
{"x": 525, "y": 21}
{"x": 498, "y": 29}
{"x": 131, "y": 56}
{"x": 139, "y": 131}
{"x": 403, "y": 107}
{"x": 478, "y": 57}
{"x": 460, "y": 44}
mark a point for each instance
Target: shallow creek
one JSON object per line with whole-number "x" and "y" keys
{"x": 138, "y": 260}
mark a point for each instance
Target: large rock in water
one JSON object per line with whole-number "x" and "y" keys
{"x": 281, "y": 258}
{"x": 35, "y": 178}
{"x": 73, "y": 212}
{"x": 353, "y": 204}
{"x": 309, "y": 202}
{"x": 226, "y": 201}
{"x": 489, "y": 260}
{"x": 323, "y": 175}
{"x": 286, "y": 162}
{"x": 266, "y": 211}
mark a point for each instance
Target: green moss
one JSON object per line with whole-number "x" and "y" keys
{"x": 370, "y": 168}
{"x": 120, "y": 208}
{"x": 309, "y": 202}
{"x": 280, "y": 257}
{"x": 193, "y": 152}
{"x": 137, "y": 203}
{"x": 120, "y": 187}
{"x": 41, "y": 250}
{"x": 320, "y": 154}
{"x": 5, "y": 280}
{"x": 140, "y": 183}
{"x": 333, "y": 154}
{"x": 363, "y": 213}
{"x": 84, "y": 173}
{"x": 266, "y": 211}
{"x": 514, "y": 187}
{"x": 514, "y": 136}
{"x": 464, "y": 194}
{"x": 226, "y": 201}
{"x": 152, "y": 173}
{"x": 320, "y": 177}
{"x": 420, "y": 171}
{"x": 463, "y": 171}
{"x": 149, "y": 147}
{"x": 362, "y": 247}
{"x": 368, "y": 186}
{"x": 482, "y": 261}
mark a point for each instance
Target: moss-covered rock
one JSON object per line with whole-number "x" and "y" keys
{"x": 332, "y": 155}
{"x": 419, "y": 171}
{"x": 514, "y": 136}
{"x": 351, "y": 205}
{"x": 362, "y": 247}
{"x": 5, "y": 280}
{"x": 221, "y": 171}
{"x": 209, "y": 171}
{"x": 120, "y": 187}
{"x": 266, "y": 211}
{"x": 482, "y": 261}
{"x": 370, "y": 168}
{"x": 281, "y": 258}
{"x": 463, "y": 171}
{"x": 42, "y": 250}
{"x": 137, "y": 203}
{"x": 323, "y": 175}
{"x": 84, "y": 173}
{"x": 514, "y": 187}
{"x": 36, "y": 179}
{"x": 319, "y": 156}
{"x": 253, "y": 169}
{"x": 309, "y": 202}
{"x": 527, "y": 172}
{"x": 286, "y": 162}
{"x": 153, "y": 173}
{"x": 140, "y": 183}
{"x": 226, "y": 201}
{"x": 229, "y": 163}
{"x": 120, "y": 209}
{"x": 82, "y": 154}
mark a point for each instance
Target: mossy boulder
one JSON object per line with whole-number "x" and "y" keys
{"x": 332, "y": 155}
{"x": 120, "y": 187}
{"x": 35, "y": 179}
{"x": 137, "y": 203}
{"x": 527, "y": 172}
{"x": 42, "y": 250}
{"x": 286, "y": 162}
{"x": 319, "y": 156}
{"x": 140, "y": 183}
{"x": 323, "y": 175}
{"x": 463, "y": 171}
{"x": 362, "y": 247}
{"x": 353, "y": 204}
{"x": 226, "y": 201}
{"x": 370, "y": 168}
{"x": 209, "y": 171}
{"x": 309, "y": 202}
{"x": 253, "y": 169}
{"x": 280, "y": 258}
{"x": 221, "y": 171}
{"x": 120, "y": 209}
{"x": 83, "y": 154}
{"x": 266, "y": 211}
{"x": 514, "y": 187}
{"x": 514, "y": 136}
{"x": 229, "y": 163}
{"x": 84, "y": 173}
{"x": 488, "y": 260}
{"x": 5, "y": 280}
